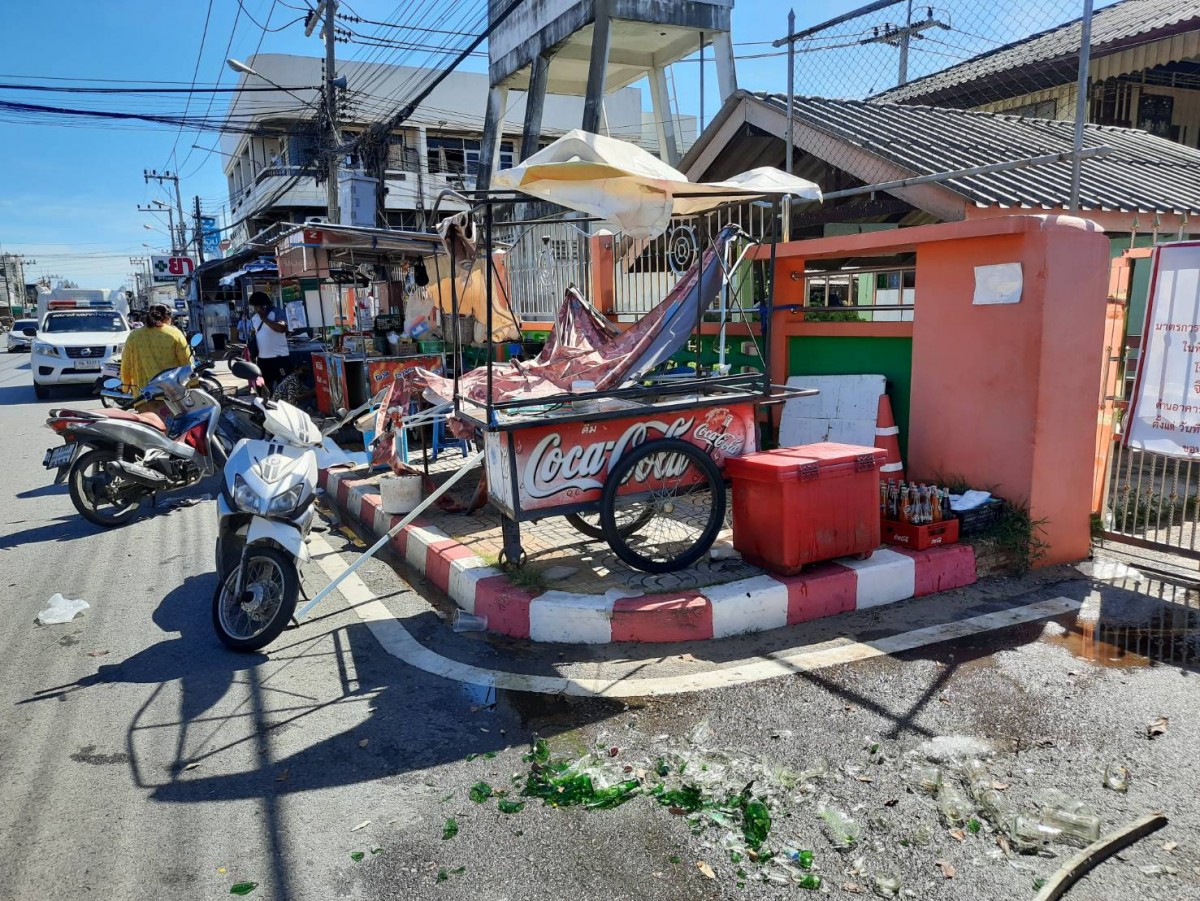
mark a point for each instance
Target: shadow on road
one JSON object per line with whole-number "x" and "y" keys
{"x": 20, "y": 391}
{"x": 43, "y": 491}
{"x": 231, "y": 708}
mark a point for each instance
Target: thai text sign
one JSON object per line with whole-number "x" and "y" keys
{"x": 1165, "y": 417}
{"x": 567, "y": 463}
{"x": 171, "y": 269}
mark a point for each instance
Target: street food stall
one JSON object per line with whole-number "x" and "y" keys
{"x": 370, "y": 297}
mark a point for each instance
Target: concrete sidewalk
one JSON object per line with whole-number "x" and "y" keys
{"x": 573, "y": 589}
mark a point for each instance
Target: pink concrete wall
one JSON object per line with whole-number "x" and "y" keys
{"x": 1005, "y": 394}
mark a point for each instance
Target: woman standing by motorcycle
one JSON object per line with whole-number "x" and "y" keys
{"x": 153, "y": 349}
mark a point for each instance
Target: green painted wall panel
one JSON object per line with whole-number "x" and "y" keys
{"x": 890, "y": 357}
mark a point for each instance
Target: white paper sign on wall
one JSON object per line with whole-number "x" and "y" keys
{"x": 999, "y": 283}
{"x": 1165, "y": 417}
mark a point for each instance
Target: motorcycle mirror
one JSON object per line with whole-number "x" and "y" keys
{"x": 112, "y": 384}
{"x": 197, "y": 340}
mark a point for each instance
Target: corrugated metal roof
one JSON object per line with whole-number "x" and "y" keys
{"x": 1143, "y": 173}
{"x": 1112, "y": 27}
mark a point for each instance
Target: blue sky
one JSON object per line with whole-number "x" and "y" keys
{"x": 69, "y": 194}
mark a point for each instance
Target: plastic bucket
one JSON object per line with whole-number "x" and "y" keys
{"x": 400, "y": 494}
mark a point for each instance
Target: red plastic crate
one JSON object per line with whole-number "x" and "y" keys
{"x": 919, "y": 538}
{"x": 801, "y": 505}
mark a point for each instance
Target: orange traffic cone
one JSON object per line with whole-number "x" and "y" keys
{"x": 887, "y": 436}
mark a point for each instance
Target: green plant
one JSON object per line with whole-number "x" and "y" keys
{"x": 1017, "y": 536}
{"x": 956, "y": 483}
{"x": 832, "y": 316}
{"x": 527, "y": 577}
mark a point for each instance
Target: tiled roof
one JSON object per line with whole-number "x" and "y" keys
{"x": 1112, "y": 27}
{"x": 1143, "y": 173}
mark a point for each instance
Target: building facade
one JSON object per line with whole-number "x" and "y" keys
{"x": 271, "y": 177}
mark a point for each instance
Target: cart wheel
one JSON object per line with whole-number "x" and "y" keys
{"x": 678, "y": 520}
{"x": 589, "y": 523}
{"x": 506, "y": 564}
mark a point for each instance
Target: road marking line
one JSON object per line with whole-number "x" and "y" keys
{"x": 398, "y": 642}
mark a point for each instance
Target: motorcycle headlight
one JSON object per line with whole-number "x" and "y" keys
{"x": 244, "y": 497}
{"x": 48, "y": 350}
{"x": 286, "y": 503}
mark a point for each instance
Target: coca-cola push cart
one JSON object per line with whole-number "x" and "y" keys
{"x": 605, "y": 426}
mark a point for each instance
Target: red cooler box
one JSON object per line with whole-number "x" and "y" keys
{"x": 800, "y": 505}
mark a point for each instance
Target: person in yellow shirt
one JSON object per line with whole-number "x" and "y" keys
{"x": 156, "y": 346}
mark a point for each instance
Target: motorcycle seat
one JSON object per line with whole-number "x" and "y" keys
{"x": 151, "y": 419}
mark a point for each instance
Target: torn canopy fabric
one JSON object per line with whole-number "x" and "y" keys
{"x": 638, "y": 193}
{"x": 585, "y": 347}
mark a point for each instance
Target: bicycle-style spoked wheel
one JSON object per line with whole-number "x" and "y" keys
{"x": 629, "y": 521}
{"x": 680, "y": 510}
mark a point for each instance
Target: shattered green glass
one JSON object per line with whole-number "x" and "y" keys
{"x": 756, "y": 823}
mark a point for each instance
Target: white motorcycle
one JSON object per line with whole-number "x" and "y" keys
{"x": 265, "y": 511}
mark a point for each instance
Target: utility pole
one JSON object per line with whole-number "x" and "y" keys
{"x": 12, "y": 270}
{"x": 789, "y": 144}
{"x": 900, "y": 36}
{"x": 328, "y": 8}
{"x": 7, "y": 284}
{"x": 198, "y": 230}
{"x": 149, "y": 175}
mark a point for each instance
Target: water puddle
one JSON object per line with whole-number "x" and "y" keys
{"x": 480, "y": 697}
{"x": 1170, "y": 639}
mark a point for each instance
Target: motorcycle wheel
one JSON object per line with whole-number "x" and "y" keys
{"x": 212, "y": 386}
{"x": 86, "y": 480}
{"x": 266, "y": 605}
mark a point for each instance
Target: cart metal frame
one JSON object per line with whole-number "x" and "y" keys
{"x": 502, "y": 423}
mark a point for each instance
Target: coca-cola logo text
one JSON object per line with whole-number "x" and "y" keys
{"x": 550, "y": 469}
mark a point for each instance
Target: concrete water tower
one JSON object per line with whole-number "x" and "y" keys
{"x": 590, "y": 48}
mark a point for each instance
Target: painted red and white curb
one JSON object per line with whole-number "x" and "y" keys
{"x": 717, "y": 611}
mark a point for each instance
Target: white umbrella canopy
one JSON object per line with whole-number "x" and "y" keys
{"x": 632, "y": 189}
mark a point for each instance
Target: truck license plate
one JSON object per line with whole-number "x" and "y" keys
{"x": 88, "y": 365}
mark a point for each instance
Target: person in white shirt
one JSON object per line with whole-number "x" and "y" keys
{"x": 270, "y": 332}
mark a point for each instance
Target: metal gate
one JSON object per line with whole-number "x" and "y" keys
{"x": 1148, "y": 500}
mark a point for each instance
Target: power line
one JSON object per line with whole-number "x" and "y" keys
{"x": 242, "y": 87}
{"x": 233, "y": 31}
{"x": 77, "y": 89}
{"x": 195, "y": 75}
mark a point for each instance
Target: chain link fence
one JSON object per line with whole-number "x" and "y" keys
{"x": 908, "y": 52}
{"x": 1016, "y": 57}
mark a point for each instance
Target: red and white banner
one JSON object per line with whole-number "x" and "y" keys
{"x": 568, "y": 463}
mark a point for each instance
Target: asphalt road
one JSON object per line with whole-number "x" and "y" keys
{"x": 139, "y": 759}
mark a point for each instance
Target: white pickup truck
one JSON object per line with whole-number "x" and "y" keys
{"x": 72, "y": 345}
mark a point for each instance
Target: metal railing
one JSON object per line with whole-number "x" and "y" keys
{"x": 645, "y": 271}
{"x": 543, "y": 260}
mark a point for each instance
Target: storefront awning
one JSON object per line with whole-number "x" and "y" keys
{"x": 263, "y": 266}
